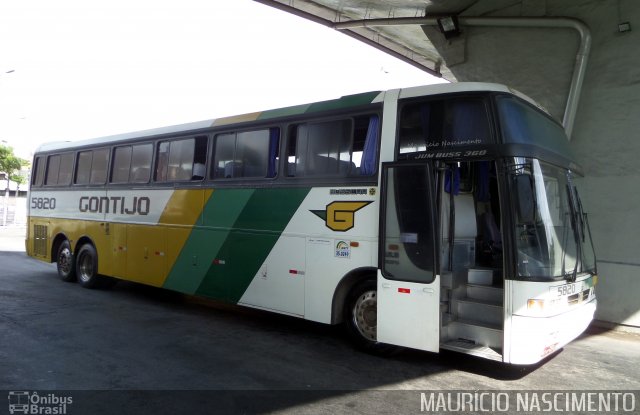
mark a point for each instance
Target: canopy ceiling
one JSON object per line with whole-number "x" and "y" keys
{"x": 401, "y": 38}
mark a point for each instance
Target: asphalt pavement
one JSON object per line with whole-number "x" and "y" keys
{"x": 137, "y": 349}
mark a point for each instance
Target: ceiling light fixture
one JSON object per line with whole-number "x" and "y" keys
{"x": 449, "y": 26}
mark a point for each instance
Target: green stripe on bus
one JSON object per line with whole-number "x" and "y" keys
{"x": 284, "y": 112}
{"x": 347, "y": 101}
{"x": 218, "y": 216}
{"x": 254, "y": 235}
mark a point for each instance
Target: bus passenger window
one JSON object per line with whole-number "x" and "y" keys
{"x": 91, "y": 167}
{"x": 225, "y": 145}
{"x": 365, "y": 145}
{"x": 141, "y": 163}
{"x": 199, "y": 170}
{"x": 181, "y": 160}
{"x": 59, "y": 169}
{"x": 99, "y": 166}
{"x": 162, "y": 160}
{"x": 321, "y": 149}
{"x": 38, "y": 172}
{"x": 53, "y": 167}
{"x": 66, "y": 169}
{"x": 83, "y": 167}
{"x": 121, "y": 164}
{"x": 250, "y": 154}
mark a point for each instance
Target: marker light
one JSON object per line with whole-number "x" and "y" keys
{"x": 535, "y": 304}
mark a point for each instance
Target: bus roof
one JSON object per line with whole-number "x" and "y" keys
{"x": 460, "y": 87}
{"x": 336, "y": 104}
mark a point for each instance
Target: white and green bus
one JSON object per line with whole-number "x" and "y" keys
{"x": 436, "y": 217}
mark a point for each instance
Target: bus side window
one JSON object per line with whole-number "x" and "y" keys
{"x": 99, "y": 166}
{"x": 83, "y": 167}
{"x": 365, "y": 145}
{"x": 292, "y": 159}
{"x": 121, "y": 164}
{"x": 140, "y": 170}
{"x": 252, "y": 148}
{"x": 322, "y": 149}
{"x": 59, "y": 169}
{"x": 223, "y": 155}
{"x": 91, "y": 166}
{"x": 162, "y": 159}
{"x": 66, "y": 169}
{"x": 199, "y": 170}
{"x": 53, "y": 167}
{"x": 38, "y": 172}
{"x": 248, "y": 154}
{"x": 181, "y": 159}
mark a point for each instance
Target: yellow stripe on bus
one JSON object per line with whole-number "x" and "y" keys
{"x": 182, "y": 213}
{"x": 185, "y": 206}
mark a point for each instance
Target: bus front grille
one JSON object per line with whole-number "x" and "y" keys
{"x": 579, "y": 297}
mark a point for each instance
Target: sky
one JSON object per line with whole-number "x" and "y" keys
{"x": 77, "y": 69}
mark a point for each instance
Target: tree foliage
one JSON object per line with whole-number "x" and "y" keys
{"x": 11, "y": 164}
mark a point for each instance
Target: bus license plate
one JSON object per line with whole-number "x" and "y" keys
{"x": 567, "y": 289}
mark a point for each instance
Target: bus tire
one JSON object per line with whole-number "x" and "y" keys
{"x": 87, "y": 267}
{"x": 66, "y": 262}
{"x": 360, "y": 318}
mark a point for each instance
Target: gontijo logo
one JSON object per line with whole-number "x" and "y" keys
{"x": 340, "y": 216}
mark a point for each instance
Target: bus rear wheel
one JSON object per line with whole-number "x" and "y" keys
{"x": 361, "y": 318}
{"x": 87, "y": 268}
{"x": 65, "y": 262}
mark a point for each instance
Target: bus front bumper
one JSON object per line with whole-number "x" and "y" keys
{"x": 534, "y": 338}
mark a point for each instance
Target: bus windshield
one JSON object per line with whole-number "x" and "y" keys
{"x": 552, "y": 237}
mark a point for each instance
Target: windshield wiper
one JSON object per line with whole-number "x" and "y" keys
{"x": 580, "y": 214}
{"x": 576, "y": 232}
{"x": 586, "y": 229}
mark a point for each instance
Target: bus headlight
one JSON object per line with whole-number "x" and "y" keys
{"x": 535, "y": 304}
{"x": 543, "y": 306}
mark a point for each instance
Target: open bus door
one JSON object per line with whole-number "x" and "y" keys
{"x": 408, "y": 283}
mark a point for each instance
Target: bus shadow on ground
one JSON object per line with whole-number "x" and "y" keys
{"x": 321, "y": 342}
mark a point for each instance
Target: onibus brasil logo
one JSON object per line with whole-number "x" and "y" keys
{"x": 24, "y": 402}
{"x": 340, "y": 216}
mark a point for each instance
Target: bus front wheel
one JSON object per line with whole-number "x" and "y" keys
{"x": 361, "y": 318}
{"x": 65, "y": 262}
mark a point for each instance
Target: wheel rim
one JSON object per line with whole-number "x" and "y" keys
{"x": 365, "y": 315}
{"x": 65, "y": 261}
{"x": 85, "y": 267}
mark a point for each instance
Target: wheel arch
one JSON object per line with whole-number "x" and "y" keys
{"x": 84, "y": 240}
{"x": 345, "y": 285}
